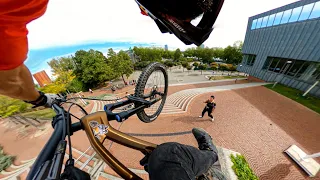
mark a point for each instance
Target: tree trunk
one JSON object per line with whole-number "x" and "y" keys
{"x": 201, "y": 72}
{"x": 124, "y": 82}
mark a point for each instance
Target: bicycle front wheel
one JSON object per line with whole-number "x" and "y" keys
{"x": 152, "y": 85}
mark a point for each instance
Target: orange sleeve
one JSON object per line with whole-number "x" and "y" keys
{"x": 14, "y": 17}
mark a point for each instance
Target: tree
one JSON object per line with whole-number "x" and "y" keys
{"x": 184, "y": 65}
{"x": 91, "y": 68}
{"x": 111, "y": 54}
{"x": 224, "y": 67}
{"x": 54, "y": 88}
{"x": 149, "y": 54}
{"x": 218, "y": 53}
{"x": 203, "y": 67}
{"x": 214, "y": 66}
{"x": 169, "y": 64}
{"x": 76, "y": 86}
{"x": 177, "y": 55}
{"x": 124, "y": 65}
{"x": 140, "y": 65}
{"x": 195, "y": 64}
{"x": 189, "y": 68}
{"x": 61, "y": 65}
{"x": 167, "y": 54}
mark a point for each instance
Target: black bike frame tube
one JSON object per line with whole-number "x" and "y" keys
{"x": 47, "y": 153}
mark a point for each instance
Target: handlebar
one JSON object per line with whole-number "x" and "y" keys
{"x": 48, "y": 152}
{"x": 51, "y": 156}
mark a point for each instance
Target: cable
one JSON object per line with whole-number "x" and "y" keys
{"x": 68, "y": 122}
{"x": 68, "y": 132}
{"x": 96, "y": 99}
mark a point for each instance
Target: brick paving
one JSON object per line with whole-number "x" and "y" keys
{"x": 256, "y": 122}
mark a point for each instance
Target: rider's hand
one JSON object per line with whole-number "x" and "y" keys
{"x": 45, "y": 100}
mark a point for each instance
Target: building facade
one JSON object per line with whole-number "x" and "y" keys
{"x": 42, "y": 78}
{"x": 166, "y": 47}
{"x": 283, "y": 45}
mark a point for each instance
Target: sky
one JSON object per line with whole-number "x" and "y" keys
{"x": 68, "y": 26}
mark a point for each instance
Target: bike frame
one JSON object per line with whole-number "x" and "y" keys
{"x": 49, "y": 162}
{"x": 116, "y": 136}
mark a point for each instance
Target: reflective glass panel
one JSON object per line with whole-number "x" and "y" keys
{"x": 271, "y": 19}
{"x": 295, "y": 14}
{"x": 286, "y": 16}
{"x": 278, "y": 18}
{"x": 264, "y": 21}
{"x": 259, "y": 23}
{"x": 254, "y": 23}
{"x": 306, "y": 10}
{"x": 316, "y": 11}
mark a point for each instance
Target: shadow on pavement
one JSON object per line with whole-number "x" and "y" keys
{"x": 195, "y": 120}
{"x": 279, "y": 171}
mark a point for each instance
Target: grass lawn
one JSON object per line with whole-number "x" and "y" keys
{"x": 40, "y": 114}
{"x": 225, "y": 77}
{"x": 241, "y": 168}
{"x": 296, "y": 95}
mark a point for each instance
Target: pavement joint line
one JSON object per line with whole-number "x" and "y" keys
{"x": 161, "y": 134}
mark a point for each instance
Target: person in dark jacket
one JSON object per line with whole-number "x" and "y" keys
{"x": 210, "y": 106}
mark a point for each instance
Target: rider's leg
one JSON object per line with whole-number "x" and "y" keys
{"x": 179, "y": 162}
{"x": 203, "y": 112}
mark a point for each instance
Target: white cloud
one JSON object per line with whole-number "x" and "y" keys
{"x": 82, "y": 21}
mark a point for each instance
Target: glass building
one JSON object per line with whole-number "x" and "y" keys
{"x": 283, "y": 45}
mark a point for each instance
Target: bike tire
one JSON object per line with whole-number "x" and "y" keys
{"x": 141, "y": 87}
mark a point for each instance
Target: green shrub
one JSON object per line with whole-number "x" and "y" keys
{"x": 242, "y": 169}
{"x": 5, "y": 160}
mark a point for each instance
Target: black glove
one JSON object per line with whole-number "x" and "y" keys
{"x": 144, "y": 162}
{"x": 45, "y": 100}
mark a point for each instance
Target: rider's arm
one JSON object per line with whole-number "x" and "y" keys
{"x": 18, "y": 83}
{"x": 15, "y": 78}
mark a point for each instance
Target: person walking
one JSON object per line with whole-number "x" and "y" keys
{"x": 211, "y": 105}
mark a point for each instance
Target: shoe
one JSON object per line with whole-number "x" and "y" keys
{"x": 213, "y": 173}
{"x": 200, "y": 117}
{"x": 204, "y": 140}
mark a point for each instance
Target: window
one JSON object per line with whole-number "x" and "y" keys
{"x": 303, "y": 69}
{"x": 259, "y": 23}
{"x": 288, "y": 67}
{"x": 306, "y": 12}
{"x": 254, "y": 23}
{"x": 286, "y": 16}
{"x": 267, "y": 62}
{"x": 296, "y": 65}
{"x": 274, "y": 64}
{"x": 278, "y": 18}
{"x": 280, "y": 67}
{"x": 250, "y": 59}
{"x": 271, "y": 19}
{"x": 316, "y": 73}
{"x": 316, "y": 11}
{"x": 295, "y": 14}
{"x": 264, "y": 21}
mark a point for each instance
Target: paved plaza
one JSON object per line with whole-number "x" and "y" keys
{"x": 249, "y": 118}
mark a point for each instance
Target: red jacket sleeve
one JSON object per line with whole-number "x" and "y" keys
{"x": 14, "y": 16}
